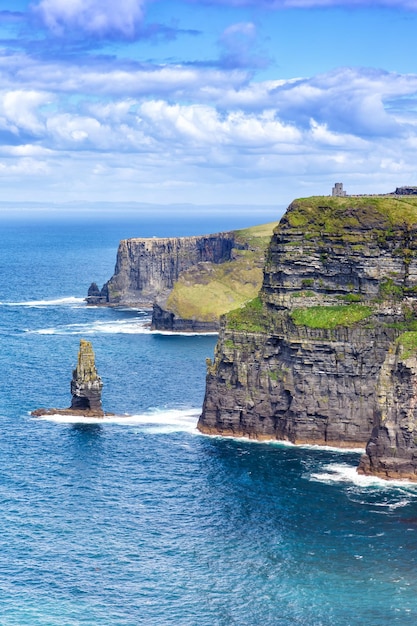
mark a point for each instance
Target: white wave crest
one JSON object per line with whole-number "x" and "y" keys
{"x": 154, "y": 422}
{"x": 184, "y": 334}
{"x": 343, "y": 473}
{"x": 130, "y": 327}
{"x": 71, "y": 301}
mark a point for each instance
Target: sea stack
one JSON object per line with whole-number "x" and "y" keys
{"x": 86, "y": 386}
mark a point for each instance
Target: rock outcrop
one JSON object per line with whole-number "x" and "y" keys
{"x": 303, "y": 362}
{"x": 86, "y": 387}
{"x": 165, "y": 320}
{"x": 147, "y": 269}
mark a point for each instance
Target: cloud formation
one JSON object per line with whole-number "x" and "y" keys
{"x": 92, "y": 105}
{"x": 99, "y": 18}
{"x": 221, "y": 127}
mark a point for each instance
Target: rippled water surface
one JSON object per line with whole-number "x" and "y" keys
{"x": 138, "y": 519}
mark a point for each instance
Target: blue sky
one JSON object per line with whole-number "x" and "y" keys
{"x": 215, "y": 102}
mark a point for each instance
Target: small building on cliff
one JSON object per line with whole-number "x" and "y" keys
{"x": 338, "y": 190}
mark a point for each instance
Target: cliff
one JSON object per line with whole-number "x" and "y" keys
{"x": 190, "y": 281}
{"x": 303, "y": 361}
{"x": 391, "y": 451}
{"x": 148, "y": 268}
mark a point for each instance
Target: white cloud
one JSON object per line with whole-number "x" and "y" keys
{"x": 19, "y": 110}
{"x": 209, "y": 131}
{"x": 101, "y": 18}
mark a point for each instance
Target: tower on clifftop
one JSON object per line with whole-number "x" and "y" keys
{"x": 338, "y": 190}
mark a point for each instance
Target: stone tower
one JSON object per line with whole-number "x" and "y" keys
{"x": 338, "y": 190}
{"x": 86, "y": 384}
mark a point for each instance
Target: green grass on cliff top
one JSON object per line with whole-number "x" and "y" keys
{"x": 209, "y": 290}
{"x": 331, "y": 214}
{"x": 329, "y": 317}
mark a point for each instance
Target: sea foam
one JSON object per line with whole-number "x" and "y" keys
{"x": 70, "y": 301}
{"x": 125, "y": 326}
{"x": 343, "y": 473}
{"x": 155, "y": 422}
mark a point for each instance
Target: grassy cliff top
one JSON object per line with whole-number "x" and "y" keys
{"x": 332, "y": 214}
{"x": 256, "y": 237}
{"x": 208, "y": 290}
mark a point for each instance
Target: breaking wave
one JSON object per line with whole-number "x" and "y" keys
{"x": 126, "y": 326}
{"x": 70, "y": 301}
{"x": 343, "y": 473}
{"x": 155, "y": 422}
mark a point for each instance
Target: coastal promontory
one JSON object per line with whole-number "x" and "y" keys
{"x": 189, "y": 281}
{"x": 326, "y": 353}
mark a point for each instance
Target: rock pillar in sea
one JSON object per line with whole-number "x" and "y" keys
{"x": 86, "y": 384}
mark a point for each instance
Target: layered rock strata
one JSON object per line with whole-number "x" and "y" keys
{"x": 148, "y": 268}
{"x": 86, "y": 387}
{"x": 303, "y": 362}
{"x": 391, "y": 451}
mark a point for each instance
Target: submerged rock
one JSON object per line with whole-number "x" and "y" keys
{"x": 86, "y": 387}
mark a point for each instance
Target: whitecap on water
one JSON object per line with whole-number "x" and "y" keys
{"x": 70, "y": 301}
{"x": 130, "y": 326}
{"x": 343, "y": 473}
{"x": 155, "y": 422}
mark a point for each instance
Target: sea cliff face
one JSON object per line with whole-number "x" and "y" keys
{"x": 148, "y": 268}
{"x": 189, "y": 281}
{"x": 391, "y": 451}
{"x": 303, "y": 362}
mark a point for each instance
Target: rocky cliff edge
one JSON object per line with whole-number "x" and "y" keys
{"x": 308, "y": 359}
{"x": 189, "y": 281}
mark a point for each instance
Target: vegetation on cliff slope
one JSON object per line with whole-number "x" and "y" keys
{"x": 329, "y": 317}
{"x": 209, "y": 290}
{"x": 251, "y": 318}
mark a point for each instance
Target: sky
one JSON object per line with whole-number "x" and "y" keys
{"x": 227, "y": 103}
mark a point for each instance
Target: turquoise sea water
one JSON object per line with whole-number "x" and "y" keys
{"x": 141, "y": 520}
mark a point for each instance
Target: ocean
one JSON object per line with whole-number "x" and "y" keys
{"x": 139, "y": 519}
